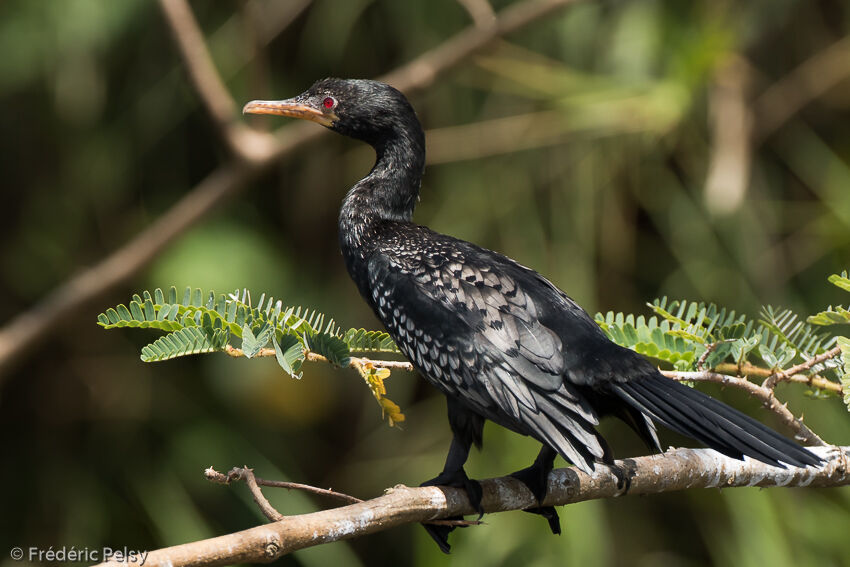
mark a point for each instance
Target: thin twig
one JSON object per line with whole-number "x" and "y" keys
{"x": 769, "y": 401}
{"x": 771, "y": 381}
{"x": 310, "y": 356}
{"x": 815, "y": 381}
{"x": 25, "y": 332}
{"x": 709, "y": 348}
{"x": 677, "y": 469}
{"x": 237, "y": 474}
{"x": 247, "y": 475}
{"x": 747, "y": 369}
{"x": 254, "y": 483}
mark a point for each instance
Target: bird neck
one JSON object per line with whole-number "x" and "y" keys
{"x": 389, "y": 192}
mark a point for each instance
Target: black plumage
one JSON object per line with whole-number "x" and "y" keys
{"x": 498, "y": 339}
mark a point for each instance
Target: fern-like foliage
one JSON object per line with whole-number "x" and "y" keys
{"x": 190, "y": 340}
{"x": 844, "y": 343}
{"x": 361, "y": 340}
{"x": 834, "y": 315}
{"x": 650, "y": 338}
{"x": 198, "y": 322}
{"x": 841, "y": 280}
{"x": 687, "y": 334}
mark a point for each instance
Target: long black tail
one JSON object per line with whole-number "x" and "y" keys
{"x": 701, "y": 417}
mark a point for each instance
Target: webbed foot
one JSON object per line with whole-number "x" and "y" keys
{"x": 536, "y": 478}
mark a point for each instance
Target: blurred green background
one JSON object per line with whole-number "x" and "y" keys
{"x": 627, "y": 150}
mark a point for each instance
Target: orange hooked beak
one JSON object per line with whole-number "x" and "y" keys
{"x": 291, "y": 108}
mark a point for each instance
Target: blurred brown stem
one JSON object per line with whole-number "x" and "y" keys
{"x": 480, "y": 11}
{"x": 255, "y": 153}
{"x": 806, "y": 82}
{"x": 731, "y": 120}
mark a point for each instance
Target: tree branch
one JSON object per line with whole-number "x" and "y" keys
{"x": 677, "y": 469}
{"x": 314, "y": 357}
{"x": 257, "y": 152}
{"x": 769, "y": 401}
{"x": 246, "y": 473}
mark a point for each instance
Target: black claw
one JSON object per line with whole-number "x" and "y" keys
{"x": 624, "y": 478}
{"x": 456, "y": 479}
{"x": 536, "y": 478}
{"x": 440, "y": 534}
{"x": 551, "y": 516}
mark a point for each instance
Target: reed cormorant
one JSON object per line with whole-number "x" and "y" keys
{"x": 498, "y": 339}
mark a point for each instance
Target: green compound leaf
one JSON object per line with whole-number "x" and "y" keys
{"x": 331, "y": 347}
{"x": 185, "y": 342}
{"x": 785, "y": 326}
{"x": 253, "y": 343}
{"x": 289, "y": 353}
{"x": 832, "y": 316}
{"x": 650, "y": 337}
{"x": 844, "y": 344}
{"x": 842, "y": 281}
{"x": 361, "y": 340}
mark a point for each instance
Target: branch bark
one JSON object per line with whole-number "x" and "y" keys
{"x": 677, "y": 469}
{"x": 257, "y": 152}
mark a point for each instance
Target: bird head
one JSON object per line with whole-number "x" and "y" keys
{"x": 367, "y": 110}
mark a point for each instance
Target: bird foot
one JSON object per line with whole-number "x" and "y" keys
{"x": 623, "y": 476}
{"x": 535, "y": 478}
{"x": 456, "y": 479}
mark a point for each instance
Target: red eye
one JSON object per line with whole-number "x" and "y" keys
{"x": 329, "y": 102}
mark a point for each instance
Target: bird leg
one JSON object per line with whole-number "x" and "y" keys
{"x": 536, "y": 478}
{"x": 454, "y": 475}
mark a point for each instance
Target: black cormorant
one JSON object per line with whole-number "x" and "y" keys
{"x": 498, "y": 339}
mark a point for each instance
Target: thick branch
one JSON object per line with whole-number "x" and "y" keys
{"x": 257, "y": 152}
{"x": 677, "y": 469}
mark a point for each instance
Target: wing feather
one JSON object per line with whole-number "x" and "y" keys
{"x": 488, "y": 347}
